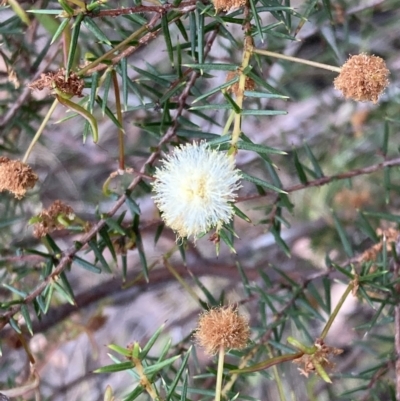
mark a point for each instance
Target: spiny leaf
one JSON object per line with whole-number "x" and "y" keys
{"x": 116, "y": 367}
{"x": 74, "y": 42}
{"x": 259, "y": 148}
{"x": 260, "y": 182}
{"x": 151, "y": 342}
{"x": 343, "y": 237}
{"x": 151, "y": 370}
{"x": 86, "y": 265}
{"x": 97, "y": 32}
{"x": 60, "y": 30}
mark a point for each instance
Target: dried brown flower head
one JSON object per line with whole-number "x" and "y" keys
{"x": 73, "y": 86}
{"x": 391, "y": 235}
{"x": 353, "y": 199}
{"x": 363, "y": 78}
{"x": 222, "y": 327}
{"x": 16, "y": 177}
{"x": 320, "y": 357}
{"x": 249, "y": 84}
{"x": 226, "y": 5}
{"x": 48, "y": 219}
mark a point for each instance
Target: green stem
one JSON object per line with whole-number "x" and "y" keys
{"x": 119, "y": 117}
{"x": 40, "y": 130}
{"x": 278, "y": 380}
{"x": 125, "y": 42}
{"x": 336, "y": 311}
{"x": 220, "y": 371}
{"x": 296, "y": 60}
{"x": 144, "y": 380}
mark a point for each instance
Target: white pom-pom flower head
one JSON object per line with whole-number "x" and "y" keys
{"x": 194, "y": 189}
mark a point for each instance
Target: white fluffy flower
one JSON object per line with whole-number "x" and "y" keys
{"x": 194, "y": 187}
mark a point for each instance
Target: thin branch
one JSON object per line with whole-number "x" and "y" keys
{"x": 184, "y": 7}
{"x": 326, "y": 180}
{"x": 96, "y": 66}
{"x": 375, "y": 377}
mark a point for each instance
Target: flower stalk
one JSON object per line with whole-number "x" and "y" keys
{"x": 220, "y": 371}
{"x": 295, "y": 59}
{"x": 40, "y": 130}
{"x": 332, "y": 317}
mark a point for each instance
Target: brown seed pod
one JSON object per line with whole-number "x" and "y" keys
{"x": 363, "y": 78}
{"x": 16, "y": 177}
{"x": 222, "y": 327}
{"x": 226, "y": 5}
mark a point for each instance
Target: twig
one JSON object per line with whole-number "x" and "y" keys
{"x": 376, "y": 376}
{"x": 88, "y": 69}
{"x": 96, "y": 66}
{"x": 185, "y": 7}
{"x": 326, "y": 180}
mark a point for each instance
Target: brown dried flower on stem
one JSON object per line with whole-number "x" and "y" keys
{"x": 222, "y": 327}
{"x": 72, "y": 86}
{"x": 248, "y": 86}
{"x": 319, "y": 359}
{"x": 48, "y": 219}
{"x": 16, "y": 177}
{"x": 363, "y": 78}
{"x": 388, "y": 236}
{"x": 226, "y": 5}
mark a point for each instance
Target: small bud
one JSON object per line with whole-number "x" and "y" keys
{"x": 363, "y": 78}
{"x": 222, "y": 327}
{"x": 16, "y": 177}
